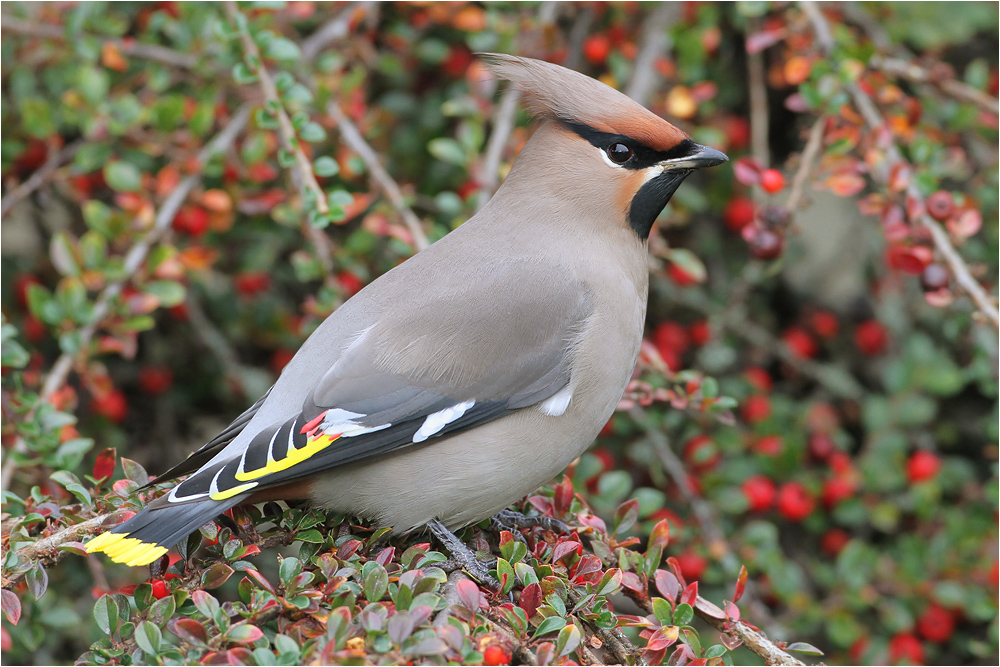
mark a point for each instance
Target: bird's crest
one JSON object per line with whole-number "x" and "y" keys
{"x": 562, "y": 94}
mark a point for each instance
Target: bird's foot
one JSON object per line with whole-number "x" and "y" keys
{"x": 463, "y": 555}
{"x": 512, "y": 519}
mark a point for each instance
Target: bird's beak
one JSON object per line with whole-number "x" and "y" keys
{"x": 702, "y": 157}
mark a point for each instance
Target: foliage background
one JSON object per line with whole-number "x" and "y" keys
{"x": 837, "y": 284}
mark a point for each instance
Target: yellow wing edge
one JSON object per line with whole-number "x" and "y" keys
{"x": 124, "y": 549}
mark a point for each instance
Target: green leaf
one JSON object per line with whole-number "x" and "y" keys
{"x": 326, "y": 166}
{"x": 662, "y": 611}
{"x": 148, "y": 637}
{"x": 375, "y": 581}
{"x": 803, "y": 647}
{"x": 122, "y": 176}
{"x": 448, "y": 150}
{"x": 244, "y": 633}
{"x": 688, "y": 262}
{"x": 169, "y": 292}
{"x": 106, "y": 614}
{"x": 683, "y": 614}
{"x": 282, "y": 48}
{"x": 568, "y": 640}
{"x": 243, "y": 75}
{"x": 550, "y": 624}
{"x": 313, "y": 133}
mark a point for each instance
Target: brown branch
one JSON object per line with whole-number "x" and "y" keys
{"x": 759, "y": 114}
{"x": 873, "y": 118}
{"x": 503, "y": 125}
{"x": 47, "y": 549}
{"x": 153, "y": 52}
{"x": 133, "y": 262}
{"x": 655, "y": 42}
{"x": 41, "y": 175}
{"x": 806, "y": 163}
{"x": 334, "y": 30}
{"x": 950, "y": 86}
{"x": 306, "y": 177}
{"x": 351, "y": 136}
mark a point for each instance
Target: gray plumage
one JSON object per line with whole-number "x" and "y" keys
{"x": 477, "y": 370}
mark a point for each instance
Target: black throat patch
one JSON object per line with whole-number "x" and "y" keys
{"x": 651, "y": 198}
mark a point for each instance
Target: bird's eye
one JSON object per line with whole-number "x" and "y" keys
{"x": 619, "y": 153}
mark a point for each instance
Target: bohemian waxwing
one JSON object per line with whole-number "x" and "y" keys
{"x": 477, "y": 370}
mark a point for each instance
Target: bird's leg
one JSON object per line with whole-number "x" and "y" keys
{"x": 514, "y": 519}
{"x": 463, "y": 555}
{"x": 499, "y": 526}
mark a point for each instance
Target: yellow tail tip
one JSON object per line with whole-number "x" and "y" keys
{"x": 124, "y": 549}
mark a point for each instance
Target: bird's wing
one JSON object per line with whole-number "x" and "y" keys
{"x": 432, "y": 367}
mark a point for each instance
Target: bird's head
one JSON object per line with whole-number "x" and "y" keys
{"x": 597, "y": 148}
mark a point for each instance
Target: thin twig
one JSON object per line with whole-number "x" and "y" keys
{"x": 759, "y": 114}
{"x": 950, "y": 86}
{"x": 46, "y": 549}
{"x": 503, "y": 125}
{"x": 133, "y": 262}
{"x": 334, "y": 30}
{"x": 873, "y": 118}
{"x": 286, "y": 132}
{"x": 41, "y": 176}
{"x": 713, "y": 535}
{"x": 154, "y": 52}
{"x": 806, "y": 162}
{"x": 655, "y": 42}
{"x": 352, "y": 137}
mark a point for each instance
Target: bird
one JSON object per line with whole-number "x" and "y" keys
{"x": 474, "y": 372}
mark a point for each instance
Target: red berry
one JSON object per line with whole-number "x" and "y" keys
{"x": 191, "y": 220}
{"x": 936, "y": 624}
{"x": 765, "y": 244}
{"x": 160, "y": 589}
{"x": 923, "y": 465}
{"x": 794, "y": 502}
{"x": 494, "y": 654}
{"x": 906, "y": 647}
{"x": 772, "y": 181}
{"x": 32, "y": 157}
{"x": 458, "y": 61}
{"x": 179, "y": 312}
{"x": 350, "y": 283}
{"x": 837, "y": 490}
{"x": 739, "y": 213}
{"x": 261, "y": 172}
{"x": 759, "y": 492}
{"x": 154, "y": 380}
{"x": 700, "y": 332}
{"x": 769, "y": 445}
{"x": 833, "y": 541}
{"x": 671, "y": 341}
{"x": 940, "y": 205}
{"x": 112, "y": 405}
{"x": 759, "y": 379}
{"x": 737, "y": 130}
{"x": 825, "y": 324}
{"x": 871, "y": 338}
{"x": 596, "y": 49}
{"x": 692, "y": 565}
{"x": 756, "y": 408}
{"x": 821, "y": 445}
{"x": 252, "y": 282}
{"x": 701, "y": 453}
{"x": 34, "y": 329}
{"x": 800, "y": 343}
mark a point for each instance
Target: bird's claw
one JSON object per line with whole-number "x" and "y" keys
{"x": 512, "y": 519}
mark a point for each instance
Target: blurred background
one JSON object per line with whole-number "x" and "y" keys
{"x": 817, "y": 396}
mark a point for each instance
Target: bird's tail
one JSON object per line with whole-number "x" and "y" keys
{"x": 150, "y": 533}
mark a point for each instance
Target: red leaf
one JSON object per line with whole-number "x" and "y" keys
{"x": 104, "y": 466}
{"x": 563, "y": 496}
{"x": 469, "y": 594}
{"x": 189, "y": 630}
{"x": 965, "y": 224}
{"x": 631, "y": 581}
{"x": 11, "y": 606}
{"x": 747, "y": 170}
{"x": 690, "y": 594}
{"x": 741, "y": 583}
{"x": 531, "y": 599}
{"x": 259, "y": 579}
{"x": 675, "y": 567}
{"x": 660, "y": 535}
{"x": 506, "y": 537}
{"x": 667, "y": 584}
{"x": 348, "y": 548}
{"x": 564, "y": 548}
{"x": 385, "y": 556}
{"x": 732, "y": 611}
